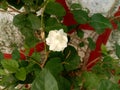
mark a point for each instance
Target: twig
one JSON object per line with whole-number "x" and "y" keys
{"x": 93, "y": 61}
{"x": 15, "y": 10}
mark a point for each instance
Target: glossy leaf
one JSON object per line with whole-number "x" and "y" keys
{"x": 100, "y": 23}
{"x": 54, "y": 8}
{"x": 21, "y": 74}
{"x": 80, "y": 16}
{"x": 11, "y": 65}
{"x": 44, "y": 81}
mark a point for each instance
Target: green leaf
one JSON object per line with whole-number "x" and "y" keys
{"x": 80, "y": 33}
{"x": 107, "y": 59}
{"x": 100, "y": 23}
{"x": 51, "y": 22}
{"x": 20, "y": 20}
{"x": 55, "y": 27}
{"x": 16, "y": 54}
{"x": 107, "y": 85}
{"x": 8, "y": 81}
{"x": 80, "y": 16}
{"x": 118, "y": 24}
{"x": 2, "y": 72}
{"x": 54, "y": 65}
{"x": 21, "y": 74}
{"x": 76, "y": 6}
{"x": 91, "y": 80}
{"x": 72, "y": 60}
{"x": 117, "y": 46}
{"x": 82, "y": 44}
{"x": 36, "y": 56}
{"x": 54, "y": 8}
{"x": 63, "y": 83}
{"x": 34, "y": 20}
{"x": 44, "y": 81}
{"x": 11, "y": 65}
{"x": 92, "y": 44}
{"x": 30, "y": 39}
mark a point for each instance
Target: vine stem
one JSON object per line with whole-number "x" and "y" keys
{"x": 42, "y": 30}
{"x": 32, "y": 59}
{"x": 87, "y": 53}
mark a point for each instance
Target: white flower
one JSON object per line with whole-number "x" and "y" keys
{"x": 57, "y": 40}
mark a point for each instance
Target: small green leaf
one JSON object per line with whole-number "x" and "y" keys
{"x": 21, "y": 74}
{"x": 117, "y": 46}
{"x": 100, "y": 23}
{"x": 75, "y": 6}
{"x": 54, "y": 65}
{"x": 16, "y": 54}
{"x": 104, "y": 49}
{"x": 80, "y": 16}
{"x": 80, "y": 33}
{"x": 92, "y": 44}
{"x": 10, "y": 65}
{"x": 54, "y": 8}
{"x": 44, "y": 81}
{"x": 107, "y": 59}
{"x": 81, "y": 44}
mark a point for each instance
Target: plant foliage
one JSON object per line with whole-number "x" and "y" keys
{"x": 52, "y": 70}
